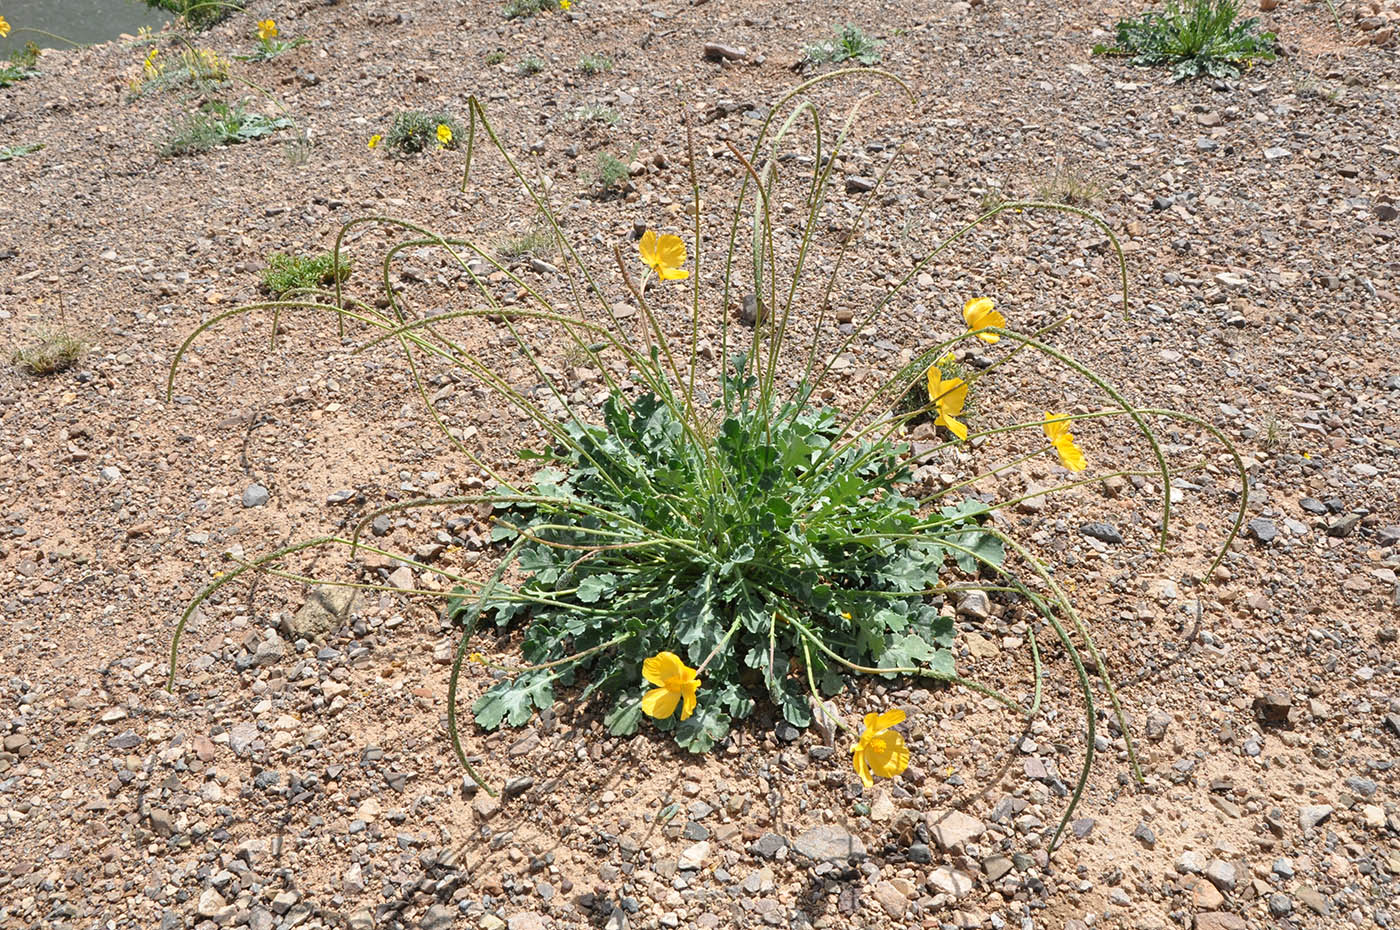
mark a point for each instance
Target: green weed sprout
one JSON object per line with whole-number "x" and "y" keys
{"x": 414, "y": 131}
{"x": 269, "y": 45}
{"x": 217, "y": 123}
{"x": 286, "y": 275}
{"x": 719, "y": 541}
{"x": 1204, "y": 38}
{"x": 848, "y": 43}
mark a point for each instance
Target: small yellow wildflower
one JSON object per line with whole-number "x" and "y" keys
{"x": 564, "y": 5}
{"x": 664, "y": 255}
{"x": 881, "y": 750}
{"x": 4, "y": 28}
{"x": 444, "y": 133}
{"x": 267, "y": 29}
{"x": 676, "y": 683}
{"x": 477, "y": 657}
{"x": 1057, "y": 431}
{"x": 375, "y": 139}
{"x": 978, "y": 313}
{"x": 948, "y": 396}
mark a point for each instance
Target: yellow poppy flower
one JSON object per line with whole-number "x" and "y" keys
{"x": 674, "y": 680}
{"x": 1057, "y": 431}
{"x": 4, "y": 28}
{"x": 947, "y": 395}
{"x": 444, "y": 133}
{"x": 978, "y": 313}
{"x": 267, "y": 29}
{"x": 564, "y": 5}
{"x": 881, "y": 750}
{"x": 664, "y": 255}
{"x": 375, "y": 139}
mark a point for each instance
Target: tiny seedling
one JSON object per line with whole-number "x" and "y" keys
{"x": 848, "y": 43}
{"x": 611, "y": 172}
{"x": 595, "y": 64}
{"x": 50, "y": 351}
{"x": 1070, "y": 187}
{"x": 532, "y": 64}
{"x": 287, "y": 273}
{"x": 1205, "y": 38}
{"x": 414, "y": 131}
{"x": 217, "y": 123}
{"x": 495, "y": 56}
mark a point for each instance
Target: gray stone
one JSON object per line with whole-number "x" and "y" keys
{"x": 1103, "y": 532}
{"x": 1314, "y": 814}
{"x": 949, "y": 881}
{"x": 828, "y": 841}
{"x": 1143, "y": 834}
{"x": 1280, "y": 905}
{"x": 694, "y": 856}
{"x": 241, "y": 736}
{"x": 1262, "y": 530}
{"x": 1315, "y": 900}
{"x": 768, "y": 845}
{"x": 255, "y": 495}
{"x": 1191, "y": 863}
{"x": 1362, "y": 786}
{"x": 439, "y": 917}
{"x": 891, "y": 899}
{"x": 1221, "y": 875}
{"x": 952, "y": 829}
{"x": 857, "y": 184}
{"x": 1276, "y": 153}
{"x": 324, "y": 609}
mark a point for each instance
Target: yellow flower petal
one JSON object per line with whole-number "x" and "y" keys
{"x": 4, "y": 28}
{"x": 954, "y": 426}
{"x": 660, "y": 702}
{"x": 670, "y": 250}
{"x": 647, "y": 248}
{"x": 888, "y": 757}
{"x": 1056, "y": 425}
{"x": 1071, "y": 456}
{"x": 444, "y": 133}
{"x": 661, "y": 668}
{"x": 862, "y": 769}
{"x": 979, "y": 313}
{"x": 375, "y": 139}
{"x": 267, "y": 29}
{"x": 889, "y": 718}
{"x": 952, "y": 396}
{"x": 688, "y": 699}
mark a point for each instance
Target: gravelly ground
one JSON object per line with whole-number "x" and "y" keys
{"x": 297, "y": 775}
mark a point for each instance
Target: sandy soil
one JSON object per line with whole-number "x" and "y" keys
{"x": 298, "y": 774}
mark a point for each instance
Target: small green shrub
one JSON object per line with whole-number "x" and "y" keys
{"x": 849, "y": 43}
{"x": 597, "y": 113}
{"x": 217, "y": 123}
{"x": 1206, "y": 38}
{"x": 537, "y": 241}
{"x": 495, "y": 56}
{"x": 198, "y": 14}
{"x": 523, "y": 9}
{"x": 532, "y": 64}
{"x": 11, "y": 152}
{"x": 611, "y": 172}
{"x": 1068, "y": 186}
{"x": 416, "y": 131}
{"x": 595, "y": 64}
{"x": 50, "y": 350}
{"x": 287, "y": 273}
{"x": 21, "y": 66}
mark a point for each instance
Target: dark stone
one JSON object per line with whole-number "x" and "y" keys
{"x": 768, "y": 845}
{"x": 1103, "y": 532}
{"x": 1143, "y": 834}
{"x": 1272, "y": 709}
{"x": 1262, "y": 530}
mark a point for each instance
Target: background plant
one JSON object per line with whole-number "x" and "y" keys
{"x": 198, "y": 14}
{"x": 1203, "y": 38}
{"x": 766, "y": 538}
{"x": 217, "y": 123}
{"x": 198, "y": 69}
{"x": 286, "y": 274}
{"x": 523, "y": 9}
{"x": 49, "y": 349}
{"x": 849, "y": 43}
{"x": 595, "y": 64}
{"x": 21, "y": 65}
{"x": 11, "y": 152}
{"x": 414, "y": 131}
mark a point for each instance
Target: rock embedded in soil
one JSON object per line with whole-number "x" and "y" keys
{"x": 828, "y": 841}
{"x": 953, "y": 829}
{"x": 1103, "y": 532}
{"x": 255, "y": 495}
{"x": 1263, "y": 530}
{"x": 1313, "y": 815}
